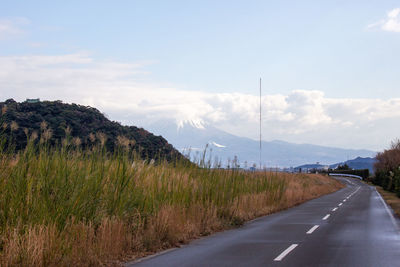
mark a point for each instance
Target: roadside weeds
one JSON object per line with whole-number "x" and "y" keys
{"x": 72, "y": 207}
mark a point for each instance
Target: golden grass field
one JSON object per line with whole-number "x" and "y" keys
{"x": 72, "y": 207}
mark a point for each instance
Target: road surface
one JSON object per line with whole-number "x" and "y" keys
{"x": 351, "y": 227}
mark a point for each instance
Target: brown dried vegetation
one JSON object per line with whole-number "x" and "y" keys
{"x": 68, "y": 207}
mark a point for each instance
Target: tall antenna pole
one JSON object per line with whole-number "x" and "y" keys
{"x": 260, "y": 124}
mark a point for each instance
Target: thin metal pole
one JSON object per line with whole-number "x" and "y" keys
{"x": 260, "y": 124}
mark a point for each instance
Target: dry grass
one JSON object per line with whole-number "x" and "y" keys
{"x": 86, "y": 208}
{"x": 391, "y": 199}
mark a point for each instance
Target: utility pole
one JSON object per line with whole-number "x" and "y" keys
{"x": 260, "y": 125}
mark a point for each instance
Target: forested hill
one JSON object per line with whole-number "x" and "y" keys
{"x": 86, "y": 126}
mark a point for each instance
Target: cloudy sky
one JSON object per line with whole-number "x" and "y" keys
{"x": 330, "y": 69}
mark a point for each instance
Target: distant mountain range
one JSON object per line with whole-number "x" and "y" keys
{"x": 225, "y": 146}
{"x": 188, "y": 136}
{"x": 358, "y": 163}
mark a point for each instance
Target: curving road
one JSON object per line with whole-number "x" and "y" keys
{"x": 351, "y": 227}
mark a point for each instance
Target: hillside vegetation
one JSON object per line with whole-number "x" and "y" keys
{"x": 74, "y": 206}
{"x": 86, "y": 126}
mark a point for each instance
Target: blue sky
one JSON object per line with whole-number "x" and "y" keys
{"x": 345, "y": 50}
{"x": 224, "y": 45}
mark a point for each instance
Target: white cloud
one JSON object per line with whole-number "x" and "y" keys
{"x": 391, "y": 23}
{"x": 394, "y": 13}
{"x": 12, "y": 27}
{"x": 119, "y": 90}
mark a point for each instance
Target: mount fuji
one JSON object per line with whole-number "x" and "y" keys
{"x": 195, "y": 136}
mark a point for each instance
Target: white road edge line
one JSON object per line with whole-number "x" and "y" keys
{"x": 312, "y": 229}
{"x": 153, "y": 256}
{"x": 396, "y": 226}
{"x": 334, "y": 209}
{"x": 284, "y": 253}
{"x": 326, "y": 217}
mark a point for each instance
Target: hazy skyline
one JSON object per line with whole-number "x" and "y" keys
{"x": 330, "y": 70}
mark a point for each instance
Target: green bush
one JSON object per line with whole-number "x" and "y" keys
{"x": 363, "y": 173}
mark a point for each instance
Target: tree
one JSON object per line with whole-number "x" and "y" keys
{"x": 343, "y": 167}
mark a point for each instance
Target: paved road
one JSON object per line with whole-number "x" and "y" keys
{"x": 351, "y": 227}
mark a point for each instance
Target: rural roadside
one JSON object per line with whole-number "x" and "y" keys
{"x": 391, "y": 199}
{"x": 339, "y": 227}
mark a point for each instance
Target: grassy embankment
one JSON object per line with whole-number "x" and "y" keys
{"x": 68, "y": 207}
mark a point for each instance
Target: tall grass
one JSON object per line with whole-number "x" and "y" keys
{"x": 67, "y": 206}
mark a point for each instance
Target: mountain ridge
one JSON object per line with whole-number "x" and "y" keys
{"x": 276, "y": 153}
{"x": 358, "y": 163}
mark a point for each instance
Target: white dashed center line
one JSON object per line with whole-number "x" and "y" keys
{"x": 326, "y": 217}
{"x": 312, "y": 229}
{"x": 284, "y": 253}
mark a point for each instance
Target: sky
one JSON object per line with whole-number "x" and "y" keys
{"x": 330, "y": 69}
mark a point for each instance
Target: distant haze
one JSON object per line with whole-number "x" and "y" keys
{"x": 224, "y": 147}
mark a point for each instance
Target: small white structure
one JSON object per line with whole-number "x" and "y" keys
{"x": 33, "y": 100}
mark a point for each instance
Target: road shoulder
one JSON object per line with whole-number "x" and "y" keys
{"x": 391, "y": 199}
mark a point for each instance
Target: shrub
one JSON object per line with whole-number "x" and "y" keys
{"x": 387, "y": 168}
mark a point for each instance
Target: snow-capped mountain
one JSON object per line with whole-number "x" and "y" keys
{"x": 197, "y": 135}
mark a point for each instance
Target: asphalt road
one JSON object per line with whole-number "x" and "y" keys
{"x": 351, "y": 227}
